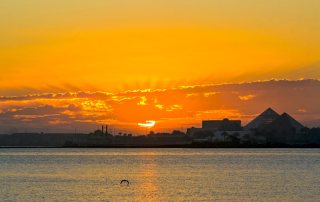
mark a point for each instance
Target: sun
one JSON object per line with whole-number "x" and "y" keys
{"x": 147, "y": 124}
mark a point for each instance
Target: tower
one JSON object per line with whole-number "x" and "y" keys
{"x": 107, "y": 130}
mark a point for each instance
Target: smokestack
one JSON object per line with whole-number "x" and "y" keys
{"x": 102, "y": 129}
{"x": 106, "y": 129}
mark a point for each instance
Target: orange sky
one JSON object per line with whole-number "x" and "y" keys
{"x": 114, "y": 46}
{"x": 174, "y": 108}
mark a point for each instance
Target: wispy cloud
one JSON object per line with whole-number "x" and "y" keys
{"x": 186, "y": 105}
{"x": 246, "y": 97}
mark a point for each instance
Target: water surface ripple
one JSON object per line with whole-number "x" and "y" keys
{"x": 160, "y": 174}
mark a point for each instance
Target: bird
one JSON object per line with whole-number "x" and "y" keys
{"x": 125, "y": 181}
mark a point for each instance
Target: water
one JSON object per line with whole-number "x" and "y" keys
{"x": 160, "y": 174}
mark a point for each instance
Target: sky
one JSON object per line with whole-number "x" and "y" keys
{"x": 121, "y": 47}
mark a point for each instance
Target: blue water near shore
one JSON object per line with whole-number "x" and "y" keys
{"x": 160, "y": 174}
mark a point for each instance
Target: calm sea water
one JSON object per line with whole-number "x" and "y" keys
{"x": 160, "y": 174}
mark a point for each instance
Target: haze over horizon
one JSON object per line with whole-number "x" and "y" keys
{"x": 77, "y": 64}
{"x": 170, "y": 109}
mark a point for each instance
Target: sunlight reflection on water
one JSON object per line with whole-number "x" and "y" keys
{"x": 160, "y": 174}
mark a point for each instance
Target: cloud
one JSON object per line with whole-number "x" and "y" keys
{"x": 142, "y": 101}
{"x": 186, "y": 105}
{"x": 302, "y": 110}
{"x": 208, "y": 94}
{"x": 246, "y": 97}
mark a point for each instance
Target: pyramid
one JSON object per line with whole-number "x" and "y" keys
{"x": 285, "y": 122}
{"x": 264, "y": 119}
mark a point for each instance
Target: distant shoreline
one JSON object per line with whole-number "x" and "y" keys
{"x": 171, "y": 146}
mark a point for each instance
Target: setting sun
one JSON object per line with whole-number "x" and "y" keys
{"x": 147, "y": 124}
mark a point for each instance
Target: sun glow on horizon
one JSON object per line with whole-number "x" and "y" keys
{"x": 147, "y": 124}
{"x": 137, "y": 64}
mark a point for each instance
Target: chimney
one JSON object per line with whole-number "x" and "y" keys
{"x": 106, "y": 129}
{"x": 102, "y": 129}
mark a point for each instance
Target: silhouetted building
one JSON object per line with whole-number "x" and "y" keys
{"x": 209, "y": 127}
{"x": 222, "y": 125}
{"x": 263, "y": 120}
{"x": 283, "y": 129}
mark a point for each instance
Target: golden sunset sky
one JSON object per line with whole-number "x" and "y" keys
{"x": 117, "y": 46}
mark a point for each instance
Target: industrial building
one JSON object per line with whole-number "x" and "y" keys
{"x": 224, "y": 125}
